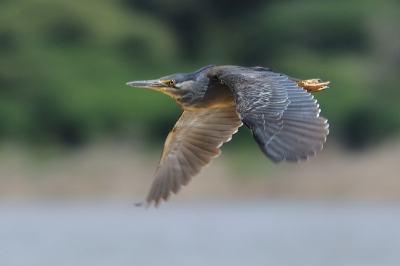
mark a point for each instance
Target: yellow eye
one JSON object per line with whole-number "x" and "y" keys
{"x": 169, "y": 82}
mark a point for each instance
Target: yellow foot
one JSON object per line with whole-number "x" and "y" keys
{"x": 313, "y": 85}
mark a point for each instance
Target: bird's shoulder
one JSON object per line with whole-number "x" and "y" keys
{"x": 225, "y": 71}
{"x": 238, "y": 78}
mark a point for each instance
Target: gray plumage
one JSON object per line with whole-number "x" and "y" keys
{"x": 279, "y": 110}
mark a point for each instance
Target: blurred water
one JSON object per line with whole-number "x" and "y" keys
{"x": 221, "y": 233}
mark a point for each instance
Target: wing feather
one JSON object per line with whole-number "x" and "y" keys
{"x": 284, "y": 118}
{"x": 191, "y": 145}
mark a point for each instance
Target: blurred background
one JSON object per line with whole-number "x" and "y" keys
{"x": 78, "y": 147}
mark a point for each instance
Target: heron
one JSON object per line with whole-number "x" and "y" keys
{"x": 278, "y": 109}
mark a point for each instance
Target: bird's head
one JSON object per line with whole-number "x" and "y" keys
{"x": 169, "y": 85}
{"x": 182, "y": 87}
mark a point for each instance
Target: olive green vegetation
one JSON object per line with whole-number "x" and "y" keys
{"x": 64, "y": 64}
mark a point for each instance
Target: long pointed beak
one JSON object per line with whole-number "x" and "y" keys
{"x": 151, "y": 84}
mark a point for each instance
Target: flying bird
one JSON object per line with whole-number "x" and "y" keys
{"x": 279, "y": 110}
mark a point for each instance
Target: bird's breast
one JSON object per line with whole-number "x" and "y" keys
{"x": 213, "y": 97}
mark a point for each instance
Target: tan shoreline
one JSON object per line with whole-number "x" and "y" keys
{"x": 117, "y": 171}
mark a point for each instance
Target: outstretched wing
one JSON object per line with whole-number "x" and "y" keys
{"x": 191, "y": 144}
{"x": 283, "y": 117}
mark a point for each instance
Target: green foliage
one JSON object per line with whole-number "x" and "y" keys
{"x": 64, "y": 64}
